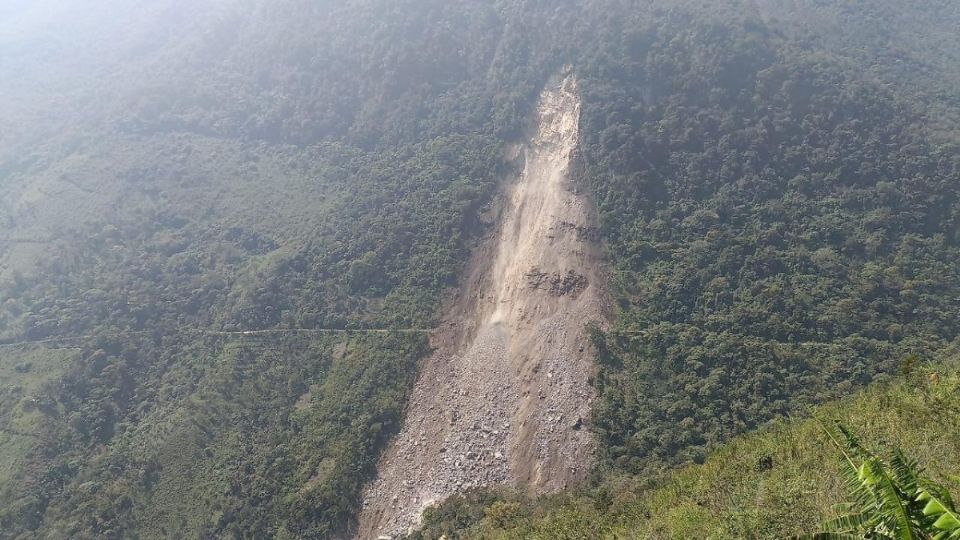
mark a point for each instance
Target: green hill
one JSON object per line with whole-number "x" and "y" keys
{"x": 228, "y": 227}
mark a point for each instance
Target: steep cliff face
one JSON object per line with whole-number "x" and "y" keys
{"x": 505, "y": 397}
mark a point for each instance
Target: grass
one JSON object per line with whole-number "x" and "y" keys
{"x": 780, "y": 481}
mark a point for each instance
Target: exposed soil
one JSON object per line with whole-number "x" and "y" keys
{"x": 504, "y": 398}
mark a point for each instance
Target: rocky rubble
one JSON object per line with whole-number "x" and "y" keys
{"x": 504, "y": 398}
{"x": 556, "y": 284}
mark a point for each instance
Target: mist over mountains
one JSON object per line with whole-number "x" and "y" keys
{"x": 231, "y": 230}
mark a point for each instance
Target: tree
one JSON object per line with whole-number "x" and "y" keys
{"x": 890, "y": 500}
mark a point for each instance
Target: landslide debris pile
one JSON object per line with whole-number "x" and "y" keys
{"x": 504, "y": 398}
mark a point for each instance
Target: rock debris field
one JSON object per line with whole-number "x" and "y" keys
{"x": 505, "y": 398}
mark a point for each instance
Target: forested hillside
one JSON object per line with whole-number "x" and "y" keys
{"x": 777, "y": 183}
{"x": 783, "y": 231}
{"x": 220, "y": 183}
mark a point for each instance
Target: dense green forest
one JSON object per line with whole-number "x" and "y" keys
{"x": 783, "y": 233}
{"x": 777, "y": 184}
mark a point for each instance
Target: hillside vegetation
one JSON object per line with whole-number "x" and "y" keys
{"x": 779, "y": 482}
{"x": 776, "y": 182}
{"x": 780, "y": 232}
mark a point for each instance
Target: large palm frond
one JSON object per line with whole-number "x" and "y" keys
{"x": 890, "y": 501}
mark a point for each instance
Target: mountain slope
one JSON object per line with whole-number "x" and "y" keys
{"x": 779, "y": 482}
{"x": 503, "y": 398}
{"x": 777, "y": 202}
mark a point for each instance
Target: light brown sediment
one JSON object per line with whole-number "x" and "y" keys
{"x": 505, "y": 398}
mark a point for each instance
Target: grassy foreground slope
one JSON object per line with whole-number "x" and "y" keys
{"x": 780, "y": 481}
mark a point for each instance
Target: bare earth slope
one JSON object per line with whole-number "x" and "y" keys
{"x": 504, "y": 398}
